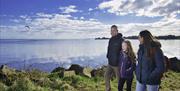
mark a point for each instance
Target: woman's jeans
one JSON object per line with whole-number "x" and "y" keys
{"x": 143, "y": 87}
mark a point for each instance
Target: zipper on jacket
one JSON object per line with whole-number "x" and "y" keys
{"x": 121, "y": 67}
{"x": 141, "y": 67}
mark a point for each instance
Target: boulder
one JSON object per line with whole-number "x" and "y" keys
{"x": 6, "y": 69}
{"x": 175, "y": 64}
{"x": 60, "y": 71}
{"x": 77, "y": 68}
{"x": 3, "y": 67}
{"x": 99, "y": 71}
{"x": 7, "y": 75}
{"x": 87, "y": 71}
{"x": 167, "y": 63}
{"x": 3, "y": 74}
{"x": 69, "y": 73}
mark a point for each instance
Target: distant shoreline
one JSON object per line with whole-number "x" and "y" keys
{"x": 166, "y": 37}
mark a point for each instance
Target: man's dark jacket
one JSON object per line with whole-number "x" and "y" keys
{"x": 114, "y": 49}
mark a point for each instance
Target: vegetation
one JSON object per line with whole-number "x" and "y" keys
{"x": 34, "y": 80}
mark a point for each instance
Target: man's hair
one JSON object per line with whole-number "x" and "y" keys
{"x": 114, "y": 26}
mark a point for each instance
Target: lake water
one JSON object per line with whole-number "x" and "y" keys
{"x": 48, "y": 54}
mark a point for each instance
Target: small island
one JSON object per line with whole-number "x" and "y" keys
{"x": 99, "y": 38}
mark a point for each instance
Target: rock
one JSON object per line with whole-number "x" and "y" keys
{"x": 80, "y": 70}
{"x": 7, "y": 75}
{"x": 74, "y": 69}
{"x": 77, "y": 68}
{"x": 87, "y": 71}
{"x": 3, "y": 76}
{"x": 4, "y": 69}
{"x": 69, "y": 73}
{"x": 175, "y": 64}
{"x": 98, "y": 72}
{"x": 167, "y": 63}
{"x": 60, "y": 71}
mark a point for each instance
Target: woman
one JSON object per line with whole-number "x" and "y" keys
{"x": 126, "y": 65}
{"x": 150, "y": 63}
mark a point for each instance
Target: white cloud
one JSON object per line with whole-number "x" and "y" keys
{"x": 90, "y": 9}
{"x": 44, "y": 15}
{"x": 64, "y": 26}
{"x": 166, "y": 26}
{"x": 92, "y": 19}
{"x": 43, "y": 25}
{"x": 168, "y": 9}
{"x": 55, "y": 25}
{"x": 82, "y": 18}
{"x": 15, "y": 20}
{"x": 58, "y": 26}
{"x": 142, "y": 8}
{"x": 23, "y": 16}
{"x": 75, "y": 18}
{"x": 69, "y": 9}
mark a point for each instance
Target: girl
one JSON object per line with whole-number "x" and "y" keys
{"x": 126, "y": 65}
{"x": 150, "y": 63}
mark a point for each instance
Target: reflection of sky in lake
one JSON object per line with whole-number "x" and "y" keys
{"x": 84, "y": 52}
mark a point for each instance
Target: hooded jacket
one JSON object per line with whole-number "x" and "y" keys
{"x": 149, "y": 70}
{"x": 114, "y": 48}
{"x": 126, "y": 65}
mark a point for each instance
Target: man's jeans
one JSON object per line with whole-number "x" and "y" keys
{"x": 109, "y": 71}
{"x": 143, "y": 87}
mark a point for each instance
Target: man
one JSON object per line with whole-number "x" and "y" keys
{"x": 114, "y": 49}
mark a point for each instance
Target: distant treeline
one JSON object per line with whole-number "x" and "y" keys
{"x": 158, "y": 37}
{"x": 136, "y": 37}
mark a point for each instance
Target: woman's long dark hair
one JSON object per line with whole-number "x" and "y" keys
{"x": 148, "y": 40}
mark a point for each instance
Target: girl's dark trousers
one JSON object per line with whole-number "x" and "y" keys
{"x": 128, "y": 83}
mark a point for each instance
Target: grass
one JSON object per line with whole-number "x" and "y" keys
{"x": 40, "y": 81}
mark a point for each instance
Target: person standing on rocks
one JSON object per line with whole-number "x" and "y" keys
{"x": 114, "y": 48}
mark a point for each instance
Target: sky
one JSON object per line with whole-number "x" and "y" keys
{"x": 79, "y": 19}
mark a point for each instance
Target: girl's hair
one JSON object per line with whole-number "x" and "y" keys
{"x": 130, "y": 51}
{"x": 148, "y": 41}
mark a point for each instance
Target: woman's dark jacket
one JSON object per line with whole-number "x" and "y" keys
{"x": 149, "y": 70}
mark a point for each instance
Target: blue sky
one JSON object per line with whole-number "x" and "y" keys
{"x": 64, "y": 19}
